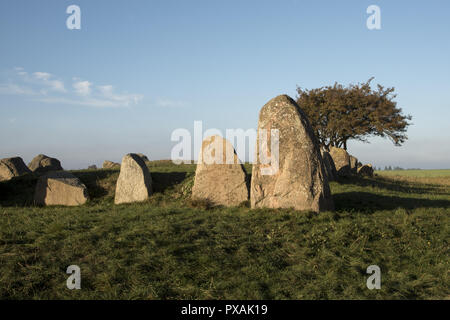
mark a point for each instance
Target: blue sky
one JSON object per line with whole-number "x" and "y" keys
{"x": 137, "y": 70}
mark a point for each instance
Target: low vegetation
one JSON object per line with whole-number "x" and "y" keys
{"x": 172, "y": 248}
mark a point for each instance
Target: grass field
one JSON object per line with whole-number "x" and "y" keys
{"x": 171, "y": 248}
{"x": 416, "y": 173}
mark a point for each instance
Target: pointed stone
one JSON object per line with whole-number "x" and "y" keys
{"x": 135, "y": 182}
{"x": 296, "y": 178}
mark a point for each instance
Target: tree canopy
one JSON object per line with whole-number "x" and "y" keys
{"x": 338, "y": 113}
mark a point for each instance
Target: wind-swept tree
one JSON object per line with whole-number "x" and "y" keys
{"x": 338, "y": 114}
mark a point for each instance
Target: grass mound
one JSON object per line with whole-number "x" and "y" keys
{"x": 172, "y": 248}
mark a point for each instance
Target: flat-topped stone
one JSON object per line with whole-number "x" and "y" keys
{"x": 60, "y": 188}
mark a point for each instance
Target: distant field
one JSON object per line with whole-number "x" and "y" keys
{"x": 171, "y": 248}
{"x": 416, "y": 173}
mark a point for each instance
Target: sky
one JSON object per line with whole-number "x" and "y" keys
{"x": 138, "y": 70}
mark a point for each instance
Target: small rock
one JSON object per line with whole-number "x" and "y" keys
{"x": 365, "y": 170}
{"x": 12, "y": 167}
{"x": 60, "y": 188}
{"x": 341, "y": 161}
{"x": 42, "y": 164}
{"x": 110, "y": 165}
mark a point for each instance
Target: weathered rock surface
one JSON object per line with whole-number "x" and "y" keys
{"x": 12, "y": 167}
{"x": 42, "y": 164}
{"x": 110, "y": 165}
{"x": 220, "y": 178}
{"x": 329, "y": 166}
{"x": 341, "y": 161}
{"x": 353, "y": 164}
{"x": 60, "y": 188}
{"x": 365, "y": 170}
{"x": 135, "y": 182}
{"x": 300, "y": 181}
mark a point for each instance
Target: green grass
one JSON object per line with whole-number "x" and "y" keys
{"x": 416, "y": 173}
{"x": 172, "y": 248}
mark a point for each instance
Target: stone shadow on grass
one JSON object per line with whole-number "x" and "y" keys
{"x": 393, "y": 185}
{"x": 91, "y": 181}
{"x": 19, "y": 191}
{"x": 165, "y": 180}
{"x": 371, "y": 202}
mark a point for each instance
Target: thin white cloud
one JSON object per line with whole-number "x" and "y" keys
{"x": 48, "y": 88}
{"x": 42, "y": 75}
{"x": 43, "y": 78}
{"x": 107, "y": 92}
{"x": 91, "y": 102}
{"x": 82, "y": 88}
{"x": 57, "y": 85}
{"x": 14, "y": 89}
{"x": 167, "y": 103}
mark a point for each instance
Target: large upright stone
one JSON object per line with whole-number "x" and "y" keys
{"x": 341, "y": 161}
{"x": 135, "y": 182}
{"x": 12, "y": 167}
{"x": 220, "y": 177}
{"x": 60, "y": 188}
{"x": 296, "y": 178}
{"x": 42, "y": 164}
{"x": 329, "y": 166}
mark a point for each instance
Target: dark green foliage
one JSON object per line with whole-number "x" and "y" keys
{"x": 339, "y": 113}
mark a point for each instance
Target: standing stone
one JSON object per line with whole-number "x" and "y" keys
{"x": 42, "y": 164}
{"x": 12, "y": 167}
{"x": 143, "y": 157}
{"x": 60, "y": 188}
{"x": 341, "y": 161}
{"x": 353, "y": 164}
{"x": 365, "y": 170}
{"x": 220, "y": 177}
{"x": 110, "y": 165}
{"x": 135, "y": 182}
{"x": 297, "y": 178}
{"x": 329, "y": 166}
